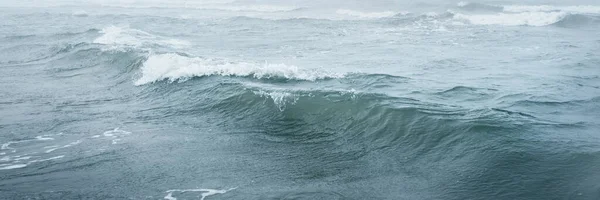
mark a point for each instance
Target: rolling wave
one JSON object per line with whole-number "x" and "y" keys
{"x": 382, "y": 121}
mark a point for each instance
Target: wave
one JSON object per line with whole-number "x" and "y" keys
{"x": 578, "y": 9}
{"x": 547, "y": 8}
{"x": 37, "y": 52}
{"x": 468, "y": 6}
{"x": 525, "y": 15}
{"x": 513, "y": 19}
{"x": 578, "y": 20}
{"x": 174, "y": 67}
{"x": 129, "y": 37}
{"x": 315, "y": 116}
{"x": 252, "y": 8}
{"x": 211, "y": 6}
{"x": 369, "y": 15}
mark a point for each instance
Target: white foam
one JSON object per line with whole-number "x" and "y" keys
{"x": 370, "y": 15}
{"x": 16, "y": 162}
{"x": 15, "y": 166}
{"x": 205, "y": 192}
{"x": 581, "y": 9}
{"x": 115, "y": 132}
{"x": 54, "y": 148}
{"x": 281, "y": 99}
{"x": 43, "y": 137}
{"x": 176, "y": 67}
{"x": 514, "y": 19}
{"x": 6, "y": 146}
{"x": 115, "y": 135}
{"x": 47, "y": 159}
{"x": 128, "y": 37}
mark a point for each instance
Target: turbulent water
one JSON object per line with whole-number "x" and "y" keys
{"x": 299, "y": 99}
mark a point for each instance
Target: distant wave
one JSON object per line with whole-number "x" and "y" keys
{"x": 547, "y": 8}
{"x": 129, "y": 37}
{"x": 513, "y": 19}
{"x": 222, "y": 7}
{"x": 468, "y": 6}
{"x": 360, "y": 14}
{"x": 525, "y": 15}
{"x": 581, "y": 9}
{"x": 252, "y": 8}
{"x": 174, "y": 67}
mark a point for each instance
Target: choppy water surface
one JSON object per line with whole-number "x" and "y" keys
{"x": 299, "y": 100}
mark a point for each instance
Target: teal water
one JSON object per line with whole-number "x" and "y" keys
{"x": 299, "y": 100}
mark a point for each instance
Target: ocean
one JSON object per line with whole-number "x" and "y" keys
{"x": 291, "y": 99}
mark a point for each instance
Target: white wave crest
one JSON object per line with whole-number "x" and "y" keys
{"x": 176, "y": 67}
{"x": 360, "y": 14}
{"x": 581, "y": 9}
{"x": 514, "y": 19}
{"x": 128, "y": 37}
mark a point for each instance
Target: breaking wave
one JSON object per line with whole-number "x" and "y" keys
{"x": 174, "y": 67}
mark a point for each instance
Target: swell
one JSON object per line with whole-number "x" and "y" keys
{"x": 370, "y": 121}
{"x": 27, "y": 49}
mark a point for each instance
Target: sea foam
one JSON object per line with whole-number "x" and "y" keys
{"x": 174, "y": 67}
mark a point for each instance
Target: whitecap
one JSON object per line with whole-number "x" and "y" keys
{"x": 176, "y": 67}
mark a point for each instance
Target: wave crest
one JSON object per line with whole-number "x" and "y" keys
{"x": 514, "y": 19}
{"x": 177, "y": 67}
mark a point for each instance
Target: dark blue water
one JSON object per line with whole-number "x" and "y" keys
{"x": 299, "y": 100}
